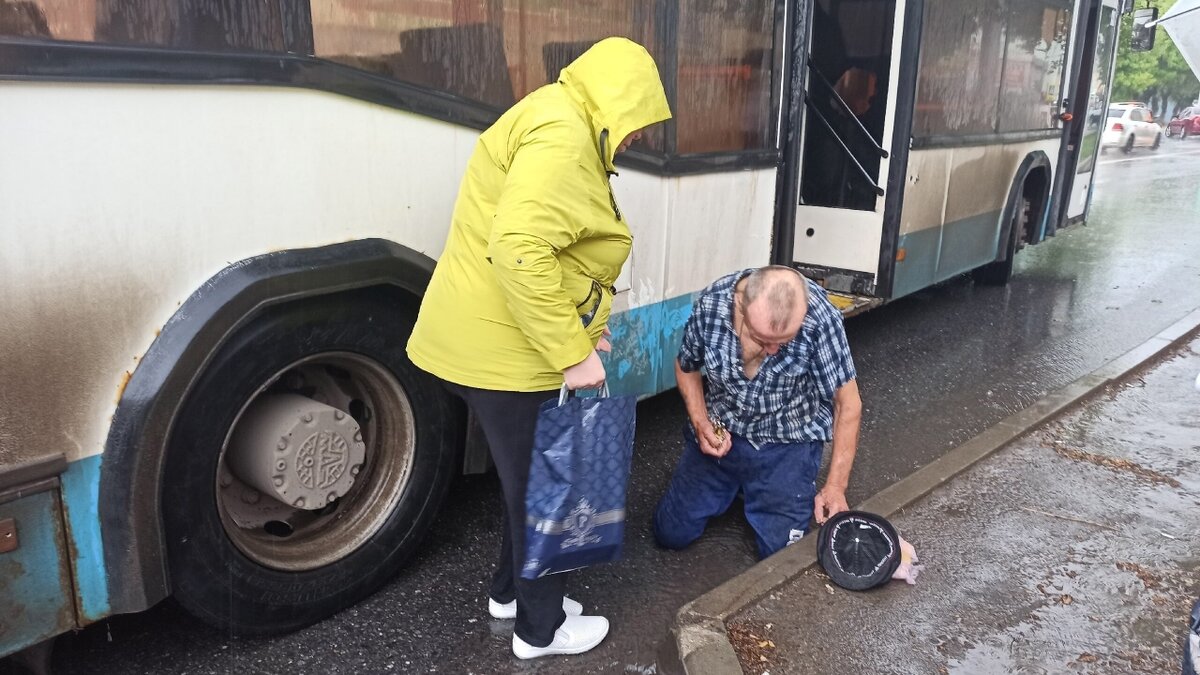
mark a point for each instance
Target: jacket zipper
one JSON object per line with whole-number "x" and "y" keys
{"x": 612, "y": 198}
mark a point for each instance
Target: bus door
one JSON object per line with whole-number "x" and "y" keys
{"x": 848, "y": 108}
{"x": 1088, "y": 105}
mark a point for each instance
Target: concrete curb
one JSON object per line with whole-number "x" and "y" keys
{"x": 697, "y": 643}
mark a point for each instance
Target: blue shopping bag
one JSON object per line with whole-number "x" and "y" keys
{"x": 575, "y": 501}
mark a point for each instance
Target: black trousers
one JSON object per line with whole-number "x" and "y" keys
{"x": 508, "y": 419}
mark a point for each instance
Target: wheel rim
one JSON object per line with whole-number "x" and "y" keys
{"x": 282, "y": 537}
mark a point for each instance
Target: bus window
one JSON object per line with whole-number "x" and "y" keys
{"x": 724, "y": 79}
{"x": 490, "y": 51}
{"x": 215, "y": 25}
{"x": 989, "y": 67}
{"x": 962, "y": 56}
{"x": 1033, "y": 65}
{"x": 23, "y": 19}
{"x": 851, "y": 49}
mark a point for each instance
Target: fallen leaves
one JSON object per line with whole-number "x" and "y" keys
{"x": 1113, "y": 463}
{"x": 1149, "y": 579}
{"x": 755, "y": 650}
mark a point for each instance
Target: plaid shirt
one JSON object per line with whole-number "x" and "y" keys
{"x": 790, "y": 400}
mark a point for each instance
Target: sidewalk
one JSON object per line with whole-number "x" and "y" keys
{"x": 1073, "y": 549}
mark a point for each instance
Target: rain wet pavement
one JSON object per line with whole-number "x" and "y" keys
{"x": 935, "y": 368}
{"x": 1072, "y": 550}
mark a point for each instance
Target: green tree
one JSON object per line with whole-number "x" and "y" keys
{"x": 1160, "y": 77}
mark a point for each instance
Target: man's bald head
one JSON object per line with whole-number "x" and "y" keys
{"x": 779, "y": 295}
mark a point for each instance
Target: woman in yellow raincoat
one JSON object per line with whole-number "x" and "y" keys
{"x": 520, "y": 298}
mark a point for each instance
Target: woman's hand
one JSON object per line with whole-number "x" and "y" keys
{"x": 587, "y": 374}
{"x": 604, "y": 345}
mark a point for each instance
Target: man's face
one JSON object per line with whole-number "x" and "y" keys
{"x": 756, "y": 325}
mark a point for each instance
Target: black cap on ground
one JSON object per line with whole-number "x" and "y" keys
{"x": 858, "y": 550}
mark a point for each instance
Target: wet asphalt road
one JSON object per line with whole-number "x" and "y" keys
{"x": 935, "y": 369}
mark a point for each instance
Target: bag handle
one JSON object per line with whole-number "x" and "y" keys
{"x": 564, "y": 393}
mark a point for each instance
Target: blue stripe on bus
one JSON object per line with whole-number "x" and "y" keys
{"x": 81, "y": 494}
{"x": 645, "y": 342}
{"x": 939, "y": 253}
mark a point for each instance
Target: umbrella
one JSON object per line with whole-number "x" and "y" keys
{"x": 1182, "y": 22}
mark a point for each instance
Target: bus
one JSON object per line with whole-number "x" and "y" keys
{"x": 217, "y": 219}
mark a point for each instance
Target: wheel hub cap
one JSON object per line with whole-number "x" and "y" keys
{"x": 299, "y": 451}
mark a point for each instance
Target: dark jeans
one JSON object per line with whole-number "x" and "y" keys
{"x": 777, "y": 481}
{"x": 508, "y": 419}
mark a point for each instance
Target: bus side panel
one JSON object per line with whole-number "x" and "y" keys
{"x": 978, "y": 185}
{"x": 36, "y": 602}
{"x": 688, "y": 231}
{"x": 111, "y": 220}
{"x": 920, "y": 225}
{"x": 81, "y": 496}
{"x": 952, "y": 209}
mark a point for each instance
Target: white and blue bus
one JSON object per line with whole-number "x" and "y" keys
{"x": 217, "y": 218}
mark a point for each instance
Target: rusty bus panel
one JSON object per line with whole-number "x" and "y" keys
{"x": 35, "y": 603}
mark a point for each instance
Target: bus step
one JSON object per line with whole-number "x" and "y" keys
{"x": 849, "y": 304}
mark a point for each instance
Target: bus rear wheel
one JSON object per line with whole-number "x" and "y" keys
{"x": 1000, "y": 272}
{"x": 305, "y": 467}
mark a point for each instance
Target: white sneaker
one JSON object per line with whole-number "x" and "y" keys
{"x": 577, "y": 635}
{"x": 508, "y": 610}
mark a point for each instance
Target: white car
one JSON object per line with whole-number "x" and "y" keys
{"x": 1129, "y": 126}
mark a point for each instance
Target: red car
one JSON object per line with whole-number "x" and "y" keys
{"x": 1186, "y": 123}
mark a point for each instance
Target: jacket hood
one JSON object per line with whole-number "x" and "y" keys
{"x": 618, "y": 85}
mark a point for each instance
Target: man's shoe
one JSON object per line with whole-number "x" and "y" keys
{"x": 577, "y": 635}
{"x": 508, "y": 610}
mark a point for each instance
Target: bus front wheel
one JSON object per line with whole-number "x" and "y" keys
{"x": 305, "y": 467}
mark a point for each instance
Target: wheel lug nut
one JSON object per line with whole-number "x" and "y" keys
{"x": 282, "y": 444}
{"x": 278, "y": 480}
{"x": 307, "y": 418}
{"x": 339, "y": 415}
{"x": 299, "y": 503}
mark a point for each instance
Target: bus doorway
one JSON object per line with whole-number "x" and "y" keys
{"x": 848, "y": 108}
{"x": 1089, "y": 106}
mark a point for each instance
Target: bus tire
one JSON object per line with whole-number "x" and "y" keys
{"x": 253, "y": 579}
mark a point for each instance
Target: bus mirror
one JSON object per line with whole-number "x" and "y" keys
{"x": 1144, "y": 27}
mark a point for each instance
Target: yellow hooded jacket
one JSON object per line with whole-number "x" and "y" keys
{"x": 537, "y": 241}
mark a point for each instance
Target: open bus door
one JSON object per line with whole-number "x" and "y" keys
{"x": 1091, "y": 75}
{"x": 841, "y": 147}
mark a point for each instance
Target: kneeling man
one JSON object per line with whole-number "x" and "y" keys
{"x": 778, "y": 382}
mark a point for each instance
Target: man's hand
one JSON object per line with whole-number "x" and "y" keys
{"x": 711, "y": 443}
{"x": 587, "y": 374}
{"x": 604, "y": 345}
{"x": 830, "y": 501}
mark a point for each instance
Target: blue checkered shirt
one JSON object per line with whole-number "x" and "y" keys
{"x": 790, "y": 399}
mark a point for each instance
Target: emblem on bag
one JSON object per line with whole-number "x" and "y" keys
{"x": 579, "y": 525}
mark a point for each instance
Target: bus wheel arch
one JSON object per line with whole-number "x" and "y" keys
{"x": 251, "y": 557}
{"x": 135, "y": 452}
{"x": 1022, "y": 219}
